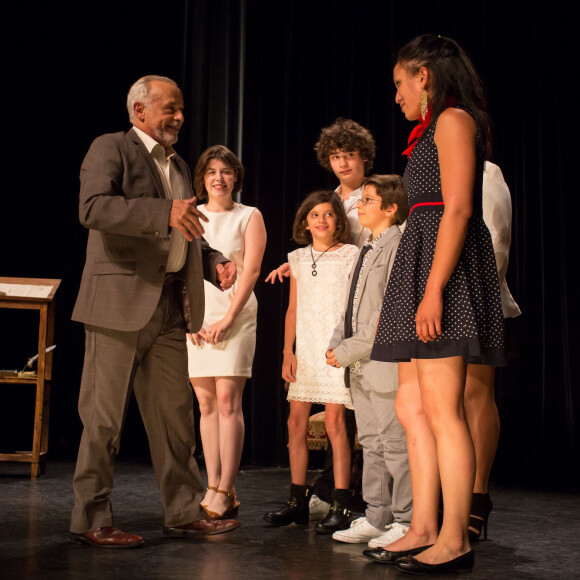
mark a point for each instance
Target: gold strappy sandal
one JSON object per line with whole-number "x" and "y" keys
{"x": 209, "y": 488}
{"x": 230, "y": 512}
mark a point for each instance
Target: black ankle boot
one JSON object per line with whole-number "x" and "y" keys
{"x": 338, "y": 517}
{"x": 295, "y": 510}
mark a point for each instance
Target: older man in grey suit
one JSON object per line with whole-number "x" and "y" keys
{"x": 145, "y": 265}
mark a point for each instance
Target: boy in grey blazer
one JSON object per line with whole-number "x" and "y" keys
{"x": 386, "y": 478}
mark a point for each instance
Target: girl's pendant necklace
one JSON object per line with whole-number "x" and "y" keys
{"x": 314, "y": 272}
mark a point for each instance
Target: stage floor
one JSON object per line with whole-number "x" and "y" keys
{"x": 532, "y": 535}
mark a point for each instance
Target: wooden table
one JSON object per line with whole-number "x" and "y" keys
{"x": 45, "y": 306}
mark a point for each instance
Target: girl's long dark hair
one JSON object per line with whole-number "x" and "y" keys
{"x": 452, "y": 75}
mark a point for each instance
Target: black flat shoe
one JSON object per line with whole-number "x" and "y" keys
{"x": 409, "y": 565}
{"x": 383, "y": 556}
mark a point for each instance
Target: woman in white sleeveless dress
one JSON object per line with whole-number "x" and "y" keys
{"x": 222, "y": 352}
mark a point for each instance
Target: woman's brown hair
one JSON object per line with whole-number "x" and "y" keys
{"x": 224, "y": 155}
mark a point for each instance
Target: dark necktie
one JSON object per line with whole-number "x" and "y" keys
{"x": 348, "y": 315}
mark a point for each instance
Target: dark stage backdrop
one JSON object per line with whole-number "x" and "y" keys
{"x": 263, "y": 78}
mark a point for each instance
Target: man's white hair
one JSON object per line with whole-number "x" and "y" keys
{"x": 140, "y": 92}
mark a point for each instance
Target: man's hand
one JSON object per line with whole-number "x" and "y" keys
{"x": 226, "y": 274}
{"x": 199, "y": 338}
{"x": 184, "y": 216}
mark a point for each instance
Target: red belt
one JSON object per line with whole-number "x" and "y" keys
{"x": 425, "y": 203}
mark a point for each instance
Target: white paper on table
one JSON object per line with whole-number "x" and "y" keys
{"x": 26, "y": 290}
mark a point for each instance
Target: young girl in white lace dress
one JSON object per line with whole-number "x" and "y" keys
{"x": 318, "y": 287}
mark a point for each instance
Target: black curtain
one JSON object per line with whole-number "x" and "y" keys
{"x": 212, "y": 74}
{"x": 263, "y": 78}
{"x": 68, "y": 68}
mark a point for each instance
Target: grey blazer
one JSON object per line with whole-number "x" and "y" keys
{"x": 382, "y": 376}
{"x": 123, "y": 204}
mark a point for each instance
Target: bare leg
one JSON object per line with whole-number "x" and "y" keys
{"x": 231, "y": 436}
{"x": 336, "y": 431}
{"x": 442, "y": 384}
{"x": 297, "y": 445}
{"x": 205, "y": 391}
{"x": 423, "y": 464}
{"x": 483, "y": 421}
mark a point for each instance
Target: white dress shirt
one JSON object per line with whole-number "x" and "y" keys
{"x": 358, "y": 233}
{"x": 174, "y": 189}
{"x": 497, "y": 214}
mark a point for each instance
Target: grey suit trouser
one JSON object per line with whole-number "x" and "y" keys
{"x": 152, "y": 363}
{"x": 386, "y": 481}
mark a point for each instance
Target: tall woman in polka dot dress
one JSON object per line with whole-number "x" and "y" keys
{"x": 442, "y": 307}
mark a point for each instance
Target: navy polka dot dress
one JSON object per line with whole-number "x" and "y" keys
{"x": 472, "y": 324}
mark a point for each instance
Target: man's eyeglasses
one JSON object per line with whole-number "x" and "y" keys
{"x": 366, "y": 200}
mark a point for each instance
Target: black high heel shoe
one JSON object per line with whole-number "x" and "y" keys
{"x": 481, "y": 507}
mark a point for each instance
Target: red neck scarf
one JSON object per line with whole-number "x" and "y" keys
{"x": 417, "y": 131}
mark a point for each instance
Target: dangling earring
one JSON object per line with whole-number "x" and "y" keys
{"x": 424, "y": 104}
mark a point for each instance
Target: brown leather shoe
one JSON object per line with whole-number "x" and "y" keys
{"x": 108, "y": 537}
{"x": 203, "y": 526}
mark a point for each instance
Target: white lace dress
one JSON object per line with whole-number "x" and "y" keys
{"x": 320, "y": 305}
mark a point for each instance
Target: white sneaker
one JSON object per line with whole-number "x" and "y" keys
{"x": 360, "y": 531}
{"x": 317, "y": 508}
{"x": 393, "y": 533}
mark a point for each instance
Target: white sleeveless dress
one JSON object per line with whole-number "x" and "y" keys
{"x": 232, "y": 357}
{"x": 320, "y": 307}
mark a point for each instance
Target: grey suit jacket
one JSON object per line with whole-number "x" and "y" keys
{"x": 123, "y": 204}
{"x": 382, "y": 376}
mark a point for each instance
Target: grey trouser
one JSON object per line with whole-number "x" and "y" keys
{"x": 386, "y": 477}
